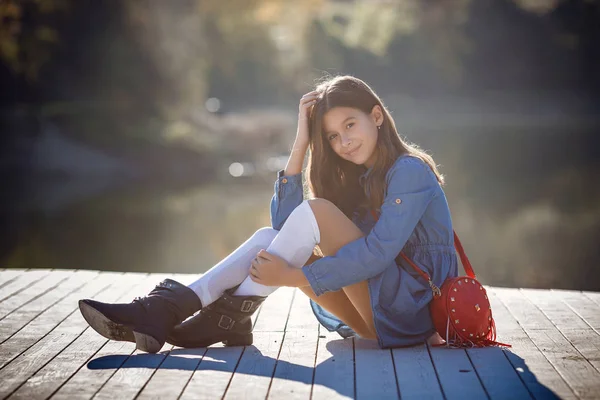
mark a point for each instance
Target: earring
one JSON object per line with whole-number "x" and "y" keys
{"x": 379, "y": 127}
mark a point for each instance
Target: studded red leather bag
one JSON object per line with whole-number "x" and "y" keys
{"x": 460, "y": 309}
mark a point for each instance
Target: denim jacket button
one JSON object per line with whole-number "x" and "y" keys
{"x": 284, "y": 180}
{"x": 398, "y": 201}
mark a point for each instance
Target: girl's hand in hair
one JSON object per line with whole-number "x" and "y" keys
{"x": 306, "y": 103}
{"x": 271, "y": 270}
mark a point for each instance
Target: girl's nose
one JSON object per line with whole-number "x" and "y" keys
{"x": 346, "y": 141}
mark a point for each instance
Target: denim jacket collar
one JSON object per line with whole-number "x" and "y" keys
{"x": 363, "y": 178}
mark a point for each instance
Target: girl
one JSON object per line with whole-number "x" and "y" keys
{"x": 373, "y": 195}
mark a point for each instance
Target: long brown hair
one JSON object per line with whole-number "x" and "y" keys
{"x": 337, "y": 180}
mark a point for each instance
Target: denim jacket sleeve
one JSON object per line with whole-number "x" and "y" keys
{"x": 411, "y": 187}
{"x": 288, "y": 195}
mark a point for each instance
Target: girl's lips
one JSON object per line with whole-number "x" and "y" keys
{"x": 353, "y": 152}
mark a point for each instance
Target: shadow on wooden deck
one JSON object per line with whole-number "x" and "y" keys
{"x": 48, "y": 351}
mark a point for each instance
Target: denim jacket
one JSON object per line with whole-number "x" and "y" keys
{"x": 414, "y": 218}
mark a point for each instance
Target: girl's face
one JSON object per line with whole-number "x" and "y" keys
{"x": 352, "y": 134}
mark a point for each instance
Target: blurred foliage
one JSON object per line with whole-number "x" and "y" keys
{"x": 28, "y": 34}
{"x": 140, "y": 70}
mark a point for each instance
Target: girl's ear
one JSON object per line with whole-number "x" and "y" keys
{"x": 377, "y": 114}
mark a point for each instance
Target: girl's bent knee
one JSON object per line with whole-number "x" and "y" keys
{"x": 320, "y": 204}
{"x": 265, "y": 235}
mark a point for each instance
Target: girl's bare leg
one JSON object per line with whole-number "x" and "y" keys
{"x": 352, "y": 304}
{"x": 340, "y": 305}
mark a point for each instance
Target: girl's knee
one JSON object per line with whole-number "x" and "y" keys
{"x": 319, "y": 204}
{"x": 265, "y": 235}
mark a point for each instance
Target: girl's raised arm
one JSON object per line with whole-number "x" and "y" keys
{"x": 294, "y": 164}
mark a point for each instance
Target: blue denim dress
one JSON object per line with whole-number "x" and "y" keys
{"x": 414, "y": 218}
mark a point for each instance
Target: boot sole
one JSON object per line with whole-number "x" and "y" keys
{"x": 146, "y": 342}
{"x": 115, "y": 331}
{"x": 232, "y": 340}
{"x": 239, "y": 340}
{"x": 103, "y": 325}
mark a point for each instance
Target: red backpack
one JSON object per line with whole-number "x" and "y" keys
{"x": 460, "y": 309}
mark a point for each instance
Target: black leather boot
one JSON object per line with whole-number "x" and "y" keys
{"x": 146, "y": 320}
{"x": 227, "y": 320}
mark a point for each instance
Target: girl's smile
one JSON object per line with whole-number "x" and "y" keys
{"x": 352, "y": 134}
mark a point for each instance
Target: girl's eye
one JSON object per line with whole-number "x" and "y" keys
{"x": 350, "y": 125}
{"x": 331, "y": 137}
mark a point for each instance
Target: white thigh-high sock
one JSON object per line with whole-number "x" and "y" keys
{"x": 233, "y": 269}
{"x": 294, "y": 243}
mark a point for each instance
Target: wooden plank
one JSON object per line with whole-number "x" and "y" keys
{"x": 276, "y": 309}
{"x": 579, "y": 374}
{"x": 534, "y": 369}
{"x": 32, "y": 292}
{"x": 133, "y": 374}
{"x": 554, "y": 309}
{"x": 375, "y": 376}
{"x": 91, "y": 376}
{"x": 415, "y": 373}
{"x": 17, "y": 319}
{"x": 497, "y": 374}
{"x": 8, "y": 275}
{"x": 52, "y": 375}
{"x": 47, "y": 320}
{"x": 169, "y": 381}
{"x": 456, "y": 374}
{"x": 128, "y": 378}
{"x": 216, "y": 369}
{"x": 295, "y": 366}
{"x": 211, "y": 378}
{"x": 594, "y": 296}
{"x": 52, "y": 343}
{"x": 174, "y": 373}
{"x": 255, "y": 369}
{"x": 334, "y": 367}
{"x": 301, "y": 314}
{"x": 582, "y": 305}
{"x": 574, "y": 328}
{"x": 21, "y": 282}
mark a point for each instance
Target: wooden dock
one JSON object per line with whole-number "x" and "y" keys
{"x": 48, "y": 351}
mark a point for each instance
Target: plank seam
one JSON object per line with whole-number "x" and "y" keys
{"x": 312, "y": 384}
{"x": 113, "y": 373}
{"x": 25, "y": 287}
{"x": 477, "y": 374}
{"x": 537, "y": 347}
{"x": 53, "y": 357}
{"x": 354, "y": 364}
{"x": 395, "y": 375}
{"x": 437, "y": 375}
{"x": 192, "y": 374}
{"x": 41, "y": 294}
{"x": 590, "y": 298}
{"x": 154, "y": 372}
{"x": 12, "y": 279}
{"x": 519, "y": 375}
{"x": 41, "y": 338}
{"x": 559, "y": 331}
{"x": 77, "y": 370}
{"x": 580, "y": 316}
{"x": 146, "y": 277}
{"x": 282, "y": 340}
{"x": 46, "y": 309}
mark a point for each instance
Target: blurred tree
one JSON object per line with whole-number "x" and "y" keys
{"x": 140, "y": 69}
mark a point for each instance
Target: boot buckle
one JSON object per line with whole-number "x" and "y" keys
{"x": 225, "y": 322}
{"x": 247, "y": 305}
